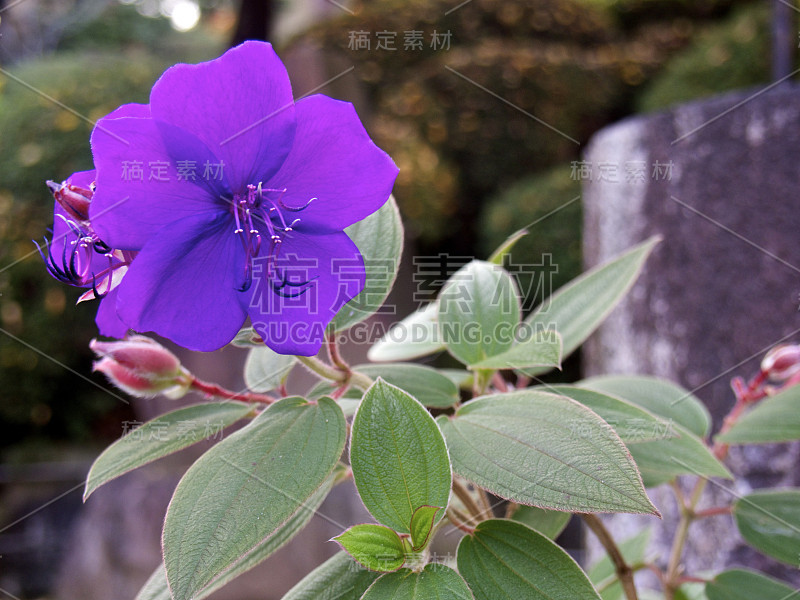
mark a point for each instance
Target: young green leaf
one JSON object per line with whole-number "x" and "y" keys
{"x": 577, "y": 309}
{"x": 435, "y": 581}
{"x": 542, "y": 349}
{"x": 775, "y": 419}
{"x": 416, "y": 335}
{"x": 338, "y": 578}
{"x": 421, "y": 525}
{"x": 379, "y": 238}
{"x": 265, "y": 369}
{"x": 479, "y": 312}
{"x": 375, "y": 547}
{"x": 549, "y": 523}
{"x": 507, "y": 560}
{"x": 632, "y": 423}
{"x": 162, "y": 436}
{"x": 770, "y": 522}
{"x": 544, "y": 450}
{"x": 240, "y": 493}
{"x": 659, "y": 396}
{"x": 741, "y": 584}
{"x": 398, "y": 456}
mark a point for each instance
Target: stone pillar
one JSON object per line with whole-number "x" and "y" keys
{"x": 718, "y": 179}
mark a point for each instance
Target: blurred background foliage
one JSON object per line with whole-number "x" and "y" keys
{"x": 473, "y": 167}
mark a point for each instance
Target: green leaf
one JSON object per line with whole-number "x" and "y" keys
{"x": 691, "y": 591}
{"x": 505, "y": 248}
{"x": 462, "y": 378}
{"x": 549, "y": 523}
{"x": 338, "y": 578}
{"x": 434, "y": 582}
{"x": 240, "y": 493}
{"x": 577, "y": 309}
{"x": 162, "y": 436}
{"x": 775, "y": 419}
{"x": 427, "y": 385}
{"x": 770, "y": 522}
{"x": 398, "y": 456}
{"x": 660, "y": 461}
{"x": 632, "y": 424}
{"x": 376, "y": 547}
{"x": 603, "y": 572}
{"x": 504, "y": 559}
{"x": 543, "y": 349}
{"x": 416, "y": 335}
{"x": 247, "y": 338}
{"x": 265, "y": 369}
{"x": 525, "y": 446}
{"x": 379, "y": 238}
{"x": 479, "y": 312}
{"x": 659, "y": 396}
{"x": 741, "y": 584}
{"x": 421, "y": 525}
{"x": 157, "y": 585}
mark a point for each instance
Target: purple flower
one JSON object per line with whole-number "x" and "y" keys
{"x": 236, "y": 197}
{"x": 77, "y": 256}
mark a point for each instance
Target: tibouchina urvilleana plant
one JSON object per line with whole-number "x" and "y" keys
{"x": 224, "y": 200}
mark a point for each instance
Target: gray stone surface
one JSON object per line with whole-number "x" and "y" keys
{"x": 723, "y": 285}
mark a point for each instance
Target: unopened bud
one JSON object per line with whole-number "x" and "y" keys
{"x": 782, "y": 362}
{"x": 73, "y": 199}
{"x": 141, "y": 367}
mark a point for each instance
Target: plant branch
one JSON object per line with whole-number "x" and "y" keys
{"x": 623, "y": 569}
{"x": 463, "y": 494}
{"x": 212, "y": 389}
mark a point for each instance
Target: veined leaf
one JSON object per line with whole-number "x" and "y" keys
{"x": 577, "y": 309}
{"x": 379, "y": 238}
{"x": 769, "y": 521}
{"x": 741, "y": 584}
{"x": 528, "y": 447}
{"x": 398, "y": 456}
{"x": 162, "y": 436}
{"x": 240, "y": 493}
{"x": 416, "y": 335}
{"x": 479, "y": 312}
{"x": 421, "y": 525}
{"x": 661, "y": 397}
{"x": 507, "y": 560}
{"x": 543, "y": 349}
{"x": 434, "y": 582}
{"x": 775, "y": 419}
{"x": 338, "y": 578}
{"x": 265, "y": 369}
{"x": 549, "y": 523}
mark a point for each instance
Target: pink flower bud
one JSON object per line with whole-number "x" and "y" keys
{"x": 141, "y": 367}
{"x": 782, "y": 362}
{"x": 73, "y": 199}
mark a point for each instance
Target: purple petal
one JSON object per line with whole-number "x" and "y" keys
{"x": 333, "y": 161}
{"x": 239, "y": 104}
{"x": 140, "y": 186}
{"x": 183, "y": 284}
{"x": 138, "y": 111}
{"x": 313, "y": 277}
{"x": 107, "y": 320}
{"x": 83, "y": 179}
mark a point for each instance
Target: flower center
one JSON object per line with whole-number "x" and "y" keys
{"x": 260, "y": 220}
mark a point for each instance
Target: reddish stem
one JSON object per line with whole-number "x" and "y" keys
{"x": 212, "y": 389}
{"x": 712, "y": 512}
